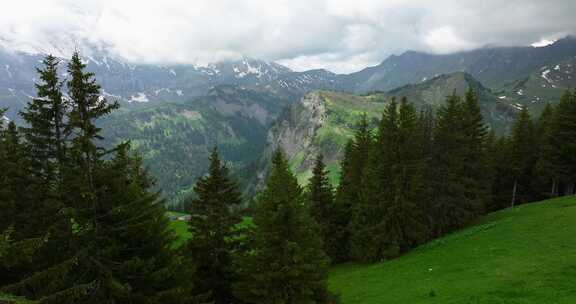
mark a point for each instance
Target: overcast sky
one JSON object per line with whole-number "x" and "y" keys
{"x": 339, "y": 35}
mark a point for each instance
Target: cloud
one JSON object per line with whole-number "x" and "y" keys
{"x": 340, "y": 35}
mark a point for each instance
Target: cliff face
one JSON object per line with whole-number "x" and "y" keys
{"x": 321, "y": 122}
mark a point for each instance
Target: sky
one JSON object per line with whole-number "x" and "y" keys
{"x": 339, "y": 35}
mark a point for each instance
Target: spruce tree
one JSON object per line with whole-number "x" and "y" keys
{"x": 120, "y": 250}
{"x": 451, "y": 208}
{"x": 348, "y": 194}
{"x": 563, "y": 134}
{"x": 475, "y": 176}
{"x": 44, "y": 117}
{"x": 321, "y": 200}
{"x": 212, "y": 226}
{"x": 344, "y": 199}
{"x": 500, "y": 167}
{"x": 523, "y": 147}
{"x": 390, "y": 220}
{"x": 287, "y": 263}
{"x": 45, "y": 150}
{"x": 547, "y": 166}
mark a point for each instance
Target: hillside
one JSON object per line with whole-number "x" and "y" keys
{"x": 433, "y": 92}
{"x": 521, "y": 255}
{"x": 175, "y": 139}
{"x": 547, "y": 84}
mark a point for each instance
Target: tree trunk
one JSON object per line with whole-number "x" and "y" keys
{"x": 514, "y": 192}
{"x": 553, "y": 191}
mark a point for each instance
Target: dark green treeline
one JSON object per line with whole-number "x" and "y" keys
{"x": 421, "y": 175}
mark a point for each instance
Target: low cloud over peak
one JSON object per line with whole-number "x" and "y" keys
{"x": 339, "y": 35}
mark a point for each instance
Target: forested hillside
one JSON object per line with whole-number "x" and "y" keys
{"x": 174, "y": 139}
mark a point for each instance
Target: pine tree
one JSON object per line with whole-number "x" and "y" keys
{"x": 563, "y": 134}
{"x": 546, "y": 168}
{"x": 475, "y": 176}
{"x": 321, "y": 200}
{"x": 451, "y": 208}
{"x": 344, "y": 199}
{"x": 352, "y": 177}
{"x": 212, "y": 226}
{"x": 45, "y": 150}
{"x": 18, "y": 191}
{"x": 136, "y": 240}
{"x": 120, "y": 250}
{"x": 287, "y": 264}
{"x": 389, "y": 220}
{"x": 44, "y": 116}
{"x": 524, "y": 155}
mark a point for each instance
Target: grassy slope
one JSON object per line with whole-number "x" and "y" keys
{"x": 524, "y": 255}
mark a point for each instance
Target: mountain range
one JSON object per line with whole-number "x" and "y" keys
{"x": 175, "y": 114}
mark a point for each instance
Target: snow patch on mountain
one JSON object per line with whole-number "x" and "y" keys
{"x": 140, "y": 97}
{"x": 544, "y": 75}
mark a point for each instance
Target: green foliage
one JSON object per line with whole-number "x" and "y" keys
{"x": 175, "y": 139}
{"x": 86, "y": 229}
{"x": 286, "y": 263}
{"x": 389, "y": 219}
{"x": 211, "y": 228}
{"x": 45, "y": 116}
{"x": 322, "y": 208}
{"x": 524, "y": 152}
{"x": 458, "y": 175}
{"x": 564, "y": 146}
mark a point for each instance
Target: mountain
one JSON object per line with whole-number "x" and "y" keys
{"x": 323, "y": 121}
{"x": 492, "y": 66}
{"x": 500, "y": 68}
{"x": 136, "y": 84}
{"x": 529, "y": 247}
{"x": 547, "y": 84}
{"x": 175, "y": 139}
{"x": 497, "y": 113}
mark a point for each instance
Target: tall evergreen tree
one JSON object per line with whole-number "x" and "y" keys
{"x": 121, "y": 246}
{"x": 44, "y": 116}
{"x": 475, "y": 176}
{"x": 547, "y": 166}
{"x": 212, "y": 226}
{"x": 352, "y": 177}
{"x": 45, "y": 151}
{"x": 523, "y": 147}
{"x": 321, "y": 200}
{"x": 451, "y": 209}
{"x": 344, "y": 199}
{"x": 563, "y": 134}
{"x": 287, "y": 264}
{"x": 389, "y": 220}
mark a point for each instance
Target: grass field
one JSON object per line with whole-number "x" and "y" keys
{"x": 182, "y": 233}
{"x": 521, "y": 255}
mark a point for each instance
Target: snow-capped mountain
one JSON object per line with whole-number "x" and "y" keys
{"x": 145, "y": 83}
